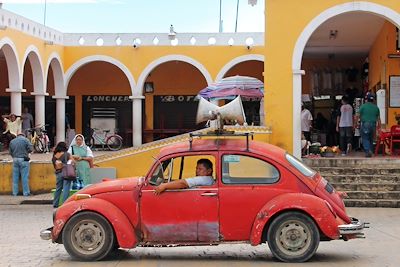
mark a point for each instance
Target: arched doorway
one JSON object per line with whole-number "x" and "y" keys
{"x": 99, "y": 97}
{"x": 170, "y": 90}
{"x": 304, "y": 47}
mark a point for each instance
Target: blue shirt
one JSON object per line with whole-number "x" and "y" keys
{"x": 20, "y": 147}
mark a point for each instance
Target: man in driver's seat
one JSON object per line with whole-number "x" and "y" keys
{"x": 204, "y": 171}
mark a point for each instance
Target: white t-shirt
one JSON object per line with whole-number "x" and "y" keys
{"x": 306, "y": 119}
{"x": 199, "y": 181}
{"x": 346, "y": 116}
{"x": 14, "y": 127}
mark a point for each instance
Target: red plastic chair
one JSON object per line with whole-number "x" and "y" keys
{"x": 395, "y": 136}
{"x": 383, "y": 139}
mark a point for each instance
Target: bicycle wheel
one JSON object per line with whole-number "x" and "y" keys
{"x": 114, "y": 142}
{"x": 38, "y": 146}
{"x": 90, "y": 142}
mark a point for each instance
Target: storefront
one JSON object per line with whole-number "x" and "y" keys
{"x": 109, "y": 112}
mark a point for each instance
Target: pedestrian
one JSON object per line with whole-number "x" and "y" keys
{"x": 27, "y": 121}
{"x": 344, "y": 126}
{"x": 61, "y": 157}
{"x": 83, "y": 157}
{"x": 13, "y": 126}
{"x": 306, "y": 122}
{"x": 19, "y": 148}
{"x": 369, "y": 116}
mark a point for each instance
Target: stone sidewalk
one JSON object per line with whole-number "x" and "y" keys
{"x": 39, "y": 199}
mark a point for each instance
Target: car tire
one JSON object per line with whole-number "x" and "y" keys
{"x": 293, "y": 237}
{"x": 88, "y": 236}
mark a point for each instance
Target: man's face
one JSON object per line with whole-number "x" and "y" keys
{"x": 12, "y": 117}
{"x": 201, "y": 170}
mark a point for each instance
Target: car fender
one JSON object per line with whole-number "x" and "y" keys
{"x": 314, "y": 206}
{"x": 124, "y": 230}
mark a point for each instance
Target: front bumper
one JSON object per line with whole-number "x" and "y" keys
{"x": 354, "y": 229}
{"x": 46, "y": 234}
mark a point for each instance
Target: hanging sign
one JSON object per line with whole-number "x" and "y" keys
{"x": 394, "y": 91}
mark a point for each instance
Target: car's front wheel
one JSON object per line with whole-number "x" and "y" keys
{"x": 293, "y": 237}
{"x": 88, "y": 236}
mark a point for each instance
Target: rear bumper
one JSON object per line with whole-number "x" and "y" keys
{"x": 353, "y": 230}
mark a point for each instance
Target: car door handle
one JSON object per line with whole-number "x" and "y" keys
{"x": 209, "y": 194}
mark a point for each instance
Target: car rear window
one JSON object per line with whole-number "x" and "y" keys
{"x": 240, "y": 169}
{"x": 300, "y": 166}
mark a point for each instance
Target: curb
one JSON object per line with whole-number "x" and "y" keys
{"x": 36, "y": 202}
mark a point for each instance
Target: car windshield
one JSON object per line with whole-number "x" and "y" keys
{"x": 300, "y": 166}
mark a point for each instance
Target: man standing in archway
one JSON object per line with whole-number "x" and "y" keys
{"x": 306, "y": 122}
{"x": 369, "y": 115}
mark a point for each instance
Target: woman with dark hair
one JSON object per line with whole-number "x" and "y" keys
{"x": 60, "y": 157}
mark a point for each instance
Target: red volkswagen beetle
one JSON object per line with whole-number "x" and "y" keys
{"x": 260, "y": 194}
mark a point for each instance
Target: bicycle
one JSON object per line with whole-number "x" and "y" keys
{"x": 39, "y": 139}
{"x": 113, "y": 142}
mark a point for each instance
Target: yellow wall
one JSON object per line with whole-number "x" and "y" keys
{"x": 385, "y": 44}
{"x": 41, "y": 177}
{"x": 283, "y": 26}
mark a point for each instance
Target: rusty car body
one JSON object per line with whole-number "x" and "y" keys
{"x": 261, "y": 194}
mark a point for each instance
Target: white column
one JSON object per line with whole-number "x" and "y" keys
{"x": 16, "y": 100}
{"x": 40, "y": 117}
{"x": 136, "y": 120}
{"x": 297, "y": 112}
{"x": 60, "y": 118}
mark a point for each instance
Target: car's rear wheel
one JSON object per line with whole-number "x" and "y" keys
{"x": 88, "y": 236}
{"x": 293, "y": 237}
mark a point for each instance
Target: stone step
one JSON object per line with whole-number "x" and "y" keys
{"x": 382, "y": 203}
{"x": 362, "y": 179}
{"x": 367, "y": 195}
{"x": 353, "y": 170}
{"x": 382, "y": 187}
{"x": 387, "y": 162}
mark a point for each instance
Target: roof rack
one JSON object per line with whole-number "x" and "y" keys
{"x": 220, "y": 133}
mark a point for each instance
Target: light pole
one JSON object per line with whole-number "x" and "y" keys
{"x": 220, "y": 15}
{"x": 237, "y": 14}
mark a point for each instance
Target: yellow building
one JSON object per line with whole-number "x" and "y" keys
{"x": 146, "y": 81}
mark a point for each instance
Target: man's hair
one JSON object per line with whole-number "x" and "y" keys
{"x": 206, "y": 163}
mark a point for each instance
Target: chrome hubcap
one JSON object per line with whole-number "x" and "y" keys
{"x": 293, "y": 237}
{"x": 88, "y": 237}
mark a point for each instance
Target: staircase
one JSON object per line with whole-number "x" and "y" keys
{"x": 372, "y": 182}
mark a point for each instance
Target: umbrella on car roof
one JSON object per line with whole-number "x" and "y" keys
{"x": 230, "y": 87}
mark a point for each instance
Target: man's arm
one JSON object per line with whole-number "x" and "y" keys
{"x": 179, "y": 184}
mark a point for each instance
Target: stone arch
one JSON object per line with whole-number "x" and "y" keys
{"x": 376, "y": 9}
{"x": 86, "y": 60}
{"x": 37, "y": 68}
{"x": 159, "y": 61}
{"x": 236, "y": 61}
{"x": 11, "y": 55}
{"x": 55, "y": 62}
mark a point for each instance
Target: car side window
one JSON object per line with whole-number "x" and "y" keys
{"x": 241, "y": 169}
{"x": 176, "y": 168}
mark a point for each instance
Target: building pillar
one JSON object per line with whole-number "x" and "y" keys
{"x": 60, "y": 118}
{"x": 16, "y": 100}
{"x": 297, "y": 112}
{"x": 136, "y": 120}
{"x": 40, "y": 108}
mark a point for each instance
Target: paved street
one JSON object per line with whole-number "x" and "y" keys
{"x": 20, "y": 245}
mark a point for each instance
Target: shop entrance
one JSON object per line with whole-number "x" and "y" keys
{"x": 112, "y": 113}
{"x": 176, "y": 114}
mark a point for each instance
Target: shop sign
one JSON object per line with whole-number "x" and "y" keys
{"x": 177, "y": 98}
{"x": 107, "y": 98}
